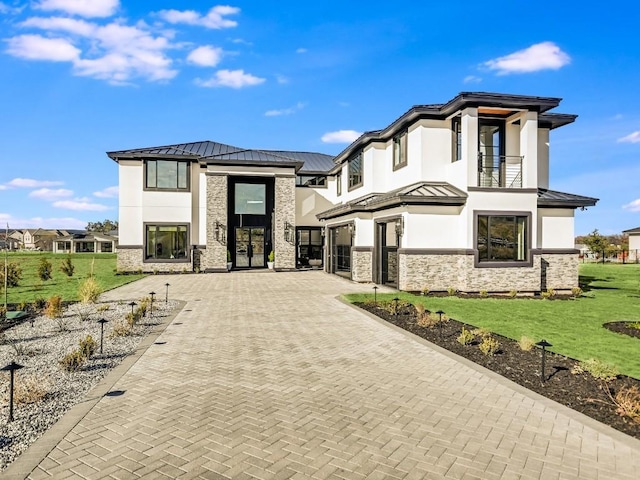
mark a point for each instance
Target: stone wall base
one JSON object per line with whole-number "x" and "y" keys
{"x": 131, "y": 260}
{"x": 361, "y": 266}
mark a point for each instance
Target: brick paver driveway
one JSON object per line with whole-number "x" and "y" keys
{"x": 268, "y": 375}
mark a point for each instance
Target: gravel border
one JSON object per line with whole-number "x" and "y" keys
{"x": 39, "y": 345}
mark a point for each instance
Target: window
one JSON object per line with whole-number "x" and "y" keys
{"x": 311, "y": 181}
{"x": 339, "y": 183}
{"x": 456, "y": 139}
{"x": 106, "y": 247}
{"x": 166, "y": 242}
{"x": 400, "y": 150}
{"x": 355, "y": 171}
{"x": 250, "y": 199}
{"x": 64, "y": 245}
{"x": 85, "y": 247}
{"x": 502, "y": 238}
{"x": 167, "y": 175}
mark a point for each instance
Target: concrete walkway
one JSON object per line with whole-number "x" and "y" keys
{"x": 269, "y": 376}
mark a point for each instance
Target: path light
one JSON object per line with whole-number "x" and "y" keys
{"x": 12, "y": 367}
{"x": 544, "y": 344}
{"x": 396, "y": 300}
{"x": 440, "y": 312}
{"x": 102, "y": 321}
{"x": 375, "y": 295}
{"x": 151, "y": 308}
{"x": 166, "y": 295}
{"x": 132, "y": 304}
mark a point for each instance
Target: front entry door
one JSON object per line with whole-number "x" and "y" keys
{"x": 249, "y": 247}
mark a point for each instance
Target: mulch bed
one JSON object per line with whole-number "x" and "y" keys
{"x": 580, "y": 392}
{"x": 623, "y": 327}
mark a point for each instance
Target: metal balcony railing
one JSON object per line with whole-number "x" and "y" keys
{"x": 499, "y": 171}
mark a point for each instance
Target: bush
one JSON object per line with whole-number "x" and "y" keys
{"x": 88, "y": 346}
{"x": 425, "y": 291}
{"x": 72, "y": 362}
{"x": 67, "y": 267}
{"x": 89, "y": 291}
{"x": 44, "y": 269}
{"x": 103, "y": 308}
{"x": 465, "y": 337}
{"x": 489, "y": 345}
{"x": 54, "y": 307}
{"x": 484, "y": 293}
{"x": 627, "y": 399}
{"x": 121, "y": 328}
{"x": 513, "y": 293}
{"x": 39, "y": 304}
{"x": 598, "y": 369}
{"x": 481, "y": 332}
{"x": 271, "y": 258}
{"x": 576, "y": 292}
{"x": 31, "y": 389}
{"x": 452, "y": 291}
{"x": 526, "y": 343}
{"x": 14, "y": 275}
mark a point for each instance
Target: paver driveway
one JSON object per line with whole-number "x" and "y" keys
{"x": 268, "y": 375}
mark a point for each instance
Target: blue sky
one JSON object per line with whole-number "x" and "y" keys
{"x": 82, "y": 77}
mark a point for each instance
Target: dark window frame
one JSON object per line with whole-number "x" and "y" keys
{"x": 485, "y": 263}
{"x": 177, "y": 188}
{"x": 154, "y": 259}
{"x": 310, "y": 183}
{"x": 456, "y": 139}
{"x": 400, "y": 146}
{"x": 356, "y": 176}
{"x": 339, "y": 182}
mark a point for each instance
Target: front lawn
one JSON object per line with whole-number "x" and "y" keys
{"x": 574, "y": 327}
{"x": 31, "y": 287}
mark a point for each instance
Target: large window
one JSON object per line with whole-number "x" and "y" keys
{"x": 167, "y": 175}
{"x": 456, "y": 139}
{"x": 250, "y": 199}
{"x": 339, "y": 182}
{"x": 502, "y": 238}
{"x": 400, "y": 150}
{"x": 311, "y": 181}
{"x": 166, "y": 242}
{"x": 355, "y": 171}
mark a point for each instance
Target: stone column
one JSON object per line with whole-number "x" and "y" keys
{"x": 214, "y": 257}
{"x": 285, "y": 212}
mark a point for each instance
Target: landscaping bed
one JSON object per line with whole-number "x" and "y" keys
{"x": 631, "y": 329}
{"x": 44, "y": 389}
{"x": 566, "y": 380}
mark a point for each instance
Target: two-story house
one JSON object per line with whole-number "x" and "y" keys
{"x": 450, "y": 195}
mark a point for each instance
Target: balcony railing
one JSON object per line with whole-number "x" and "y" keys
{"x": 499, "y": 171}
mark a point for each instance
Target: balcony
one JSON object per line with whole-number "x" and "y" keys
{"x": 499, "y": 171}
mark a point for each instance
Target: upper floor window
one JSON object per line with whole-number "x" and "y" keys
{"x": 311, "y": 181}
{"x": 355, "y": 171}
{"x": 456, "y": 139}
{"x": 339, "y": 183}
{"x": 166, "y": 175}
{"x": 400, "y": 150}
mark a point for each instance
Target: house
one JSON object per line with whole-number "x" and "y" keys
{"x": 634, "y": 244}
{"x": 452, "y": 195}
{"x": 85, "y": 242}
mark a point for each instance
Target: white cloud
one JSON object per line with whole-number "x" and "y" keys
{"x": 471, "y": 79}
{"x": 301, "y": 50}
{"x": 81, "y": 204}
{"x": 30, "y": 183}
{"x": 36, "y": 47}
{"x": 341, "y": 136}
{"x": 50, "y": 194}
{"x": 633, "y": 137}
{"x": 83, "y": 8}
{"x": 541, "y": 56}
{"x": 633, "y": 206}
{"x": 205, "y": 56}
{"x": 109, "y": 192}
{"x": 285, "y": 111}
{"x": 214, "y": 19}
{"x": 282, "y": 80}
{"x": 70, "y": 25}
{"x": 232, "y": 79}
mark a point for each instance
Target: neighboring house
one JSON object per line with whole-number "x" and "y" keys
{"x": 452, "y": 195}
{"x": 40, "y": 239}
{"x": 90, "y": 242}
{"x": 634, "y": 244}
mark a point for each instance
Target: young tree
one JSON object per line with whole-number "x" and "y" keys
{"x": 597, "y": 243}
{"x": 14, "y": 275}
{"x": 44, "y": 269}
{"x": 67, "y": 267}
{"x": 102, "y": 227}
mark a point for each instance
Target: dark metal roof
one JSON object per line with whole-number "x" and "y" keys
{"x": 553, "y": 198}
{"x": 421, "y": 193}
{"x": 313, "y": 162}
{"x": 632, "y": 230}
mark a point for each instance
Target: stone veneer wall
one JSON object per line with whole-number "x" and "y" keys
{"x": 132, "y": 260}
{"x": 361, "y": 265}
{"x": 440, "y": 272}
{"x": 285, "y": 211}
{"x": 214, "y": 257}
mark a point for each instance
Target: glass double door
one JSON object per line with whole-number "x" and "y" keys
{"x": 250, "y": 247}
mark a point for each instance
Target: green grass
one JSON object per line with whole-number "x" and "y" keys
{"x": 31, "y": 287}
{"x": 574, "y": 327}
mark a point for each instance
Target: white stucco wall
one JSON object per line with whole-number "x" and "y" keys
{"x": 555, "y": 228}
{"x": 309, "y": 202}
{"x": 202, "y": 210}
{"x": 634, "y": 241}
{"x": 439, "y": 229}
{"x": 130, "y": 203}
{"x": 543, "y": 158}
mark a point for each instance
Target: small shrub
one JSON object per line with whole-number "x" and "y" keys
{"x": 627, "y": 399}
{"x": 465, "y": 337}
{"x": 156, "y": 271}
{"x": 31, "y": 389}
{"x": 131, "y": 318}
{"x": 452, "y": 291}
{"x": 39, "y": 304}
{"x": 484, "y": 293}
{"x": 44, "y": 269}
{"x": 513, "y": 293}
{"x": 14, "y": 275}
{"x": 576, "y": 292}
{"x": 89, "y": 291}
{"x": 481, "y": 332}
{"x": 83, "y": 311}
{"x": 23, "y": 306}
{"x": 103, "y": 308}
{"x": 121, "y": 328}
{"x": 526, "y": 343}
{"x": 87, "y": 346}
{"x": 425, "y": 291}
{"x": 67, "y": 267}
{"x": 271, "y": 258}
{"x": 19, "y": 348}
{"x": 197, "y": 269}
{"x": 545, "y": 295}
{"x": 598, "y": 369}
{"x": 73, "y": 361}
{"x": 489, "y": 346}
{"x": 54, "y": 307}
